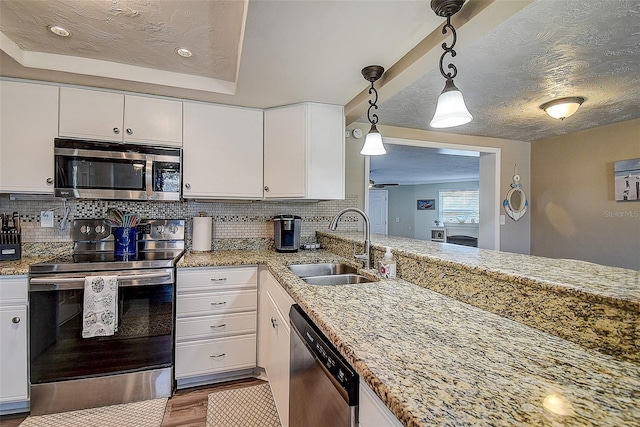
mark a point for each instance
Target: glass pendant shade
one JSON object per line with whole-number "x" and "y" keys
{"x": 451, "y": 110}
{"x": 562, "y": 108}
{"x": 373, "y": 143}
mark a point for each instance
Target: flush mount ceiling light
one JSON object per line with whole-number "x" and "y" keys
{"x": 563, "y": 107}
{"x": 184, "y": 52}
{"x": 373, "y": 142}
{"x": 451, "y": 109}
{"x": 59, "y": 31}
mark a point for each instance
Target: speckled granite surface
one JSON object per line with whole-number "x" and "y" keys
{"x": 592, "y": 305}
{"x": 434, "y": 360}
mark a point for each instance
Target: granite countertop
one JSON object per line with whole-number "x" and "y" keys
{"x": 434, "y": 360}
{"x": 580, "y": 276}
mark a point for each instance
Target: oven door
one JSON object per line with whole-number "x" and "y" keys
{"x": 144, "y": 339}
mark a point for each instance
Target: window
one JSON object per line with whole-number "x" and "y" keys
{"x": 456, "y": 205}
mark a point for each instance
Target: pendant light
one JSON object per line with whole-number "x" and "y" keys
{"x": 563, "y": 107}
{"x": 451, "y": 109}
{"x": 373, "y": 142}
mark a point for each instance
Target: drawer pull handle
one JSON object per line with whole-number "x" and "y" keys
{"x": 274, "y": 322}
{"x": 15, "y": 320}
{"x": 222, "y": 279}
{"x": 218, "y": 326}
{"x": 217, "y": 356}
{"x": 219, "y": 303}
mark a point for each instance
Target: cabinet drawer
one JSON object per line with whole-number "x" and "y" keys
{"x": 13, "y": 289}
{"x": 204, "y": 279}
{"x": 216, "y": 355}
{"x": 216, "y": 302}
{"x": 215, "y": 326}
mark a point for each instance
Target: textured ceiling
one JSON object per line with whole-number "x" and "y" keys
{"x": 136, "y": 32}
{"x": 313, "y": 50}
{"x": 406, "y": 165}
{"x": 550, "y": 49}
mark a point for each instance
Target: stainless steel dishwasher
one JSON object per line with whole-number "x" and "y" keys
{"x": 323, "y": 388}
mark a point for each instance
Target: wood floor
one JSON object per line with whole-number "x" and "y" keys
{"x": 186, "y": 408}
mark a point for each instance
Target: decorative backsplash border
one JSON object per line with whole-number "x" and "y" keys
{"x": 236, "y": 225}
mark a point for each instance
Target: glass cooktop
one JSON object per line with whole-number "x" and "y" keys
{"x": 107, "y": 261}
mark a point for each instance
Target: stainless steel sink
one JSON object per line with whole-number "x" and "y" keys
{"x": 328, "y": 273}
{"x": 336, "y": 279}
{"x": 321, "y": 269}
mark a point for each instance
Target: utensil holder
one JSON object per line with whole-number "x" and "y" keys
{"x": 126, "y": 243}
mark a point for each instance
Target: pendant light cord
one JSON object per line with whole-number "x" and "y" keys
{"x": 448, "y": 50}
{"x": 373, "y": 118}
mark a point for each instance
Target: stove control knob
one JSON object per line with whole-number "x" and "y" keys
{"x": 160, "y": 229}
{"x": 85, "y": 229}
{"x": 99, "y": 229}
{"x": 173, "y": 229}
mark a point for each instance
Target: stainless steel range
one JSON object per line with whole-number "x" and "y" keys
{"x": 69, "y": 372}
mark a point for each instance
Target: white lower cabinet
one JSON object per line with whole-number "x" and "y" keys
{"x": 274, "y": 333}
{"x": 216, "y": 315}
{"x": 372, "y": 412}
{"x": 14, "y": 383}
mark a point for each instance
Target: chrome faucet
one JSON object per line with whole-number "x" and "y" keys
{"x": 367, "y": 231}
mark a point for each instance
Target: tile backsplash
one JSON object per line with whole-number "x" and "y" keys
{"x": 236, "y": 225}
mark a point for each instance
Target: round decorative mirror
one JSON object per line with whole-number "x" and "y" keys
{"x": 516, "y": 203}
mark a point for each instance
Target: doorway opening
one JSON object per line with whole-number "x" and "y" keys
{"x": 402, "y": 191}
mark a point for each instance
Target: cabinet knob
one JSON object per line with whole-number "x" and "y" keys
{"x": 129, "y": 131}
{"x": 187, "y": 186}
{"x": 49, "y": 181}
{"x": 15, "y": 320}
{"x": 116, "y": 131}
{"x": 266, "y": 188}
{"x": 274, "y": 322}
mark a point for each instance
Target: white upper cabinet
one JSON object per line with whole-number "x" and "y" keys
{"x": 28, "y": 125}
{"x": 108, "y": 116}
{"x": 222, "y": 152}
{"x": 304, "y": 152}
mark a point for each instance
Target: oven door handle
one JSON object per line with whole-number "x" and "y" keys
{"x": 69, "y": 280}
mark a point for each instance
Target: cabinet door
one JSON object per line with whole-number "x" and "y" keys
{"x": 13, "y": 353}
{"x": 285, "y": 136}
{"x": 325, "y": 152}
{"x": 152, "y": 120}
{"x": 278, "y": 361}
{"x": 28, "y": 125}
{"x": 91, "y": 114}
{"x": 222, "y": 152}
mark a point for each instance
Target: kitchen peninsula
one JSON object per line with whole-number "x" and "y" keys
{"x": 434, "y": 360}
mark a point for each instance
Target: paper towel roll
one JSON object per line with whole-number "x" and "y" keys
{"x": 202, "y": 227}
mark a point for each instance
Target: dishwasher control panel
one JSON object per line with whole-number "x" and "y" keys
{"x": 323, "y": 351}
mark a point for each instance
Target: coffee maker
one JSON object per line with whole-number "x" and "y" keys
{"x": 286, "y": 232}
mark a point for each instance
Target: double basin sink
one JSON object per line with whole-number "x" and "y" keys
{"x": 328, "y": 274}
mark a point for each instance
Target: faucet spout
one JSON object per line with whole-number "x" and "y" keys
{"x": 366, "y": 256}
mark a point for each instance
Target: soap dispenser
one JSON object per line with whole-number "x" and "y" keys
{"x": 388, "y": 265}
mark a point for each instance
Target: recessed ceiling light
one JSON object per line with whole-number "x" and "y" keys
{"x": 59, "y": 31}
{"x": 185, "y": 53}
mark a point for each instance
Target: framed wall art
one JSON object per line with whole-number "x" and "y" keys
{"x": 426, "y": 204}
{"x": 627, "y": 180}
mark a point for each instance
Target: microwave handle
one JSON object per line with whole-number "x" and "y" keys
{"x": 149, "y": 176}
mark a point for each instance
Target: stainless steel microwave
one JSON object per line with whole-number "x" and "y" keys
{"x": 104, "y": 170}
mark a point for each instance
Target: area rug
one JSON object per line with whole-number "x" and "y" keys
{"x": 148, "y": 413}
{"x": 242, "y": 407}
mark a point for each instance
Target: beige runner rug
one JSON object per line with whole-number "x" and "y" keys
{"x": 243, "y": 407}
{"x": 148, "y": 413}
